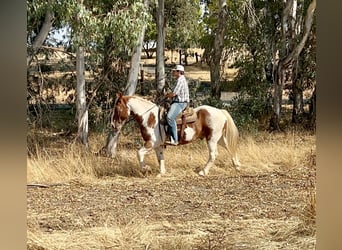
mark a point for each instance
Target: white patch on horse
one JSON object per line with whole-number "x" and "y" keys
{"x": 215, "y": 122}
{"x": 189, "y": 133}
{"x": 144, "y": 108}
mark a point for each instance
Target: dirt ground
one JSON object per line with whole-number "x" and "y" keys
{"x": 215, "y": 212}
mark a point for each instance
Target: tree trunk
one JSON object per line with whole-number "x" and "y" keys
{"x": 135, "y": 61}
{"x": 40, "y": 38}
{"x": 312, "y": 110}
{"x": 277, "y": 98}
{"x": 289, "y": 55}
{"x": 298, "y": 102}
{"x": 111, "y": 144}
{"x": 112, "y": 138}
{"x": 81, "y": 103}
{"x": 160, "y": 68}
{"x": 186, "y": 55}
{"x": 308, "y": 24}
{"x": 180, "y": 56}
{"x": 218, "y": 48}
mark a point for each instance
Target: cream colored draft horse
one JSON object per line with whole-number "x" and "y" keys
{"x": 215, "y": 125}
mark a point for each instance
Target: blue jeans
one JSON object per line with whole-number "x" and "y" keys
{"x": 175, "y": 109}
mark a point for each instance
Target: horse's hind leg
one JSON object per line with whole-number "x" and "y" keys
{"x": 212, "y": 146}
{"x": 160, "y": 157}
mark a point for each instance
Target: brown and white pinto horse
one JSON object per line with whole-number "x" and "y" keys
{"x": 215, "y": 125}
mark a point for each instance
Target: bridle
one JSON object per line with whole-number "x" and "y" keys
{"x": 130, "y": 117}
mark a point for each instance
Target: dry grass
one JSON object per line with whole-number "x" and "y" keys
{"x": 108, "y": 204}
{"x": 271, "y": 152}
{"x": 56, "y": 159}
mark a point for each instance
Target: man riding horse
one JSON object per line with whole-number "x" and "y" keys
{"x": 180, "y": 100}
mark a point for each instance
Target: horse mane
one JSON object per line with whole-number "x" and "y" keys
{"x": 141, "y": 98}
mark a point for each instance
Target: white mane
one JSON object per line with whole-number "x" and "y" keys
{"x": 140, "y": 105}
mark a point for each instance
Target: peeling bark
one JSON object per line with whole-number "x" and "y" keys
{"x": 81, "y": 104}
{"x": 160, "y": 68}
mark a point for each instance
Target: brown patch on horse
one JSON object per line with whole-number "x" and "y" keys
{"x": 206, "y": 130}
{"x": 148, "y": 144}
{"x": 151, "y": 121}
{"x": 200, "y": 126}
{"x": 145, "y": 135}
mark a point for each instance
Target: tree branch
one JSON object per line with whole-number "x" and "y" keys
{"x": 308, "y": 24}
{"x": 40, "y": 38}
{"x": 59, "y": 50}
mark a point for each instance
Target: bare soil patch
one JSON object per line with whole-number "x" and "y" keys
{"x": 267, "y": 211}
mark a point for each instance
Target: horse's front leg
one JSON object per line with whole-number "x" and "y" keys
{"x": 160, "y": 156}
{"x": 141, "y": 155}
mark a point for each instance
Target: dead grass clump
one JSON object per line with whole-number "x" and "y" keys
{"x": 50, "y": 166}
{"x": 129, "y": 236}
{"x": 269, "y": 152}
{"x": 136, "y": 234}
{"x": 216, "y": 239}
{"x": 308, "y": 215}
{"x": 307, "y": 227}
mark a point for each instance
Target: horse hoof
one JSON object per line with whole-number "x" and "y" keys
{"x": 201, "y": 173}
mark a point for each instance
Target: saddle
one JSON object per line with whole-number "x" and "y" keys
{"x": 188, "y": 115}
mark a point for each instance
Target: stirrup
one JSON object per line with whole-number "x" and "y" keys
{"x": 171, "y": 142}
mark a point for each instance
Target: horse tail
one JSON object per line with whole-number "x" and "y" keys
{"x": 231, "y": 134}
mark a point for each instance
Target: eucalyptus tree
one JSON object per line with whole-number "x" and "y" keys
{"x": 184, "y": 26}
{"x": 135, "y": 58}
{"x": 116, "y": 30}
{"x": 91, "y": 23}
{"x": 268, "y": 35}
{"x": 106, "y": 31}
{"x": 224, "y": 22}
{"x": 43, "y": 19}
{"x": 295, "y": 30}
{"x": 81, "y": 102}
{"x": 179, "y": 27}
{"x": 276, "y": 46}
